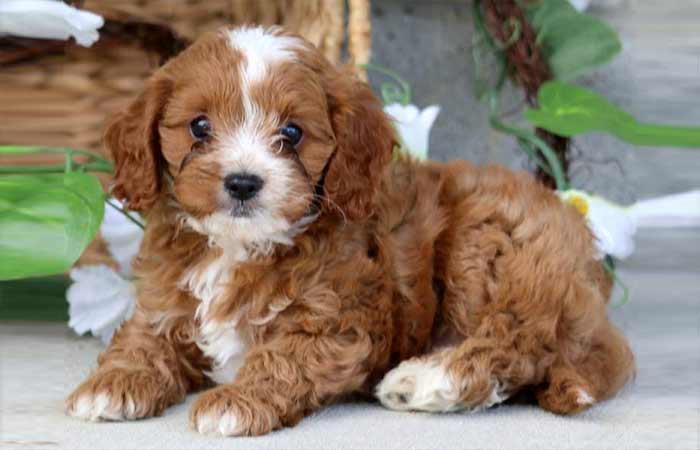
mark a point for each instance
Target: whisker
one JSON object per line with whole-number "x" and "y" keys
{"x": 310, "y": 197}
{"x": 333, "y": 205}
{"x": 281, "y": 147}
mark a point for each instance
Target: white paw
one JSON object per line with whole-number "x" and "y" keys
{"x": 100, "y": 406}
{"x": 583, "y": 397}
{"x": 418, "y": 385}
{"x": 498, "y": 394}
{"x": 225, "y": 424}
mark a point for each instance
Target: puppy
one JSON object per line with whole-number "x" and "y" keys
{"x": 291, "y": 261}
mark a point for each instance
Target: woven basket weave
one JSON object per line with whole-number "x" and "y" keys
{"x": 61, "y": 94}
{"x": 58, "y": 94}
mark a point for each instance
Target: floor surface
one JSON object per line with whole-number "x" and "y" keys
{"x": 40, "y": 364}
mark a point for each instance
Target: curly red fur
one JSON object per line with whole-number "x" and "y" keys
{"x": 365, "y": 142}
{"x": 479, "y": 273}
{"x": 132, "y": 140}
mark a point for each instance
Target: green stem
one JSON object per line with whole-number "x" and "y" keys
{"x": 406, "y": 98}
{"x": 125, "y": 213}
{"x": 497, "y": 50}
{"x": 481, "y": 26}
{"x": 532, "y": 154}
{"x": 95, "y": 162}
{"x": 523, "y": 135}
{"x": 96, "y": 166}
{"x": 32, "y": 169}
{"x": 613, "y": 273}
{"x": 515, "y": 34}
{"x": 549, "y": 155}
{"x": 17, "y": 149}
{"x": 69, "y": 161}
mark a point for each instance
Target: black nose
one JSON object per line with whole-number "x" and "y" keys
{"x": 243, "y": 186}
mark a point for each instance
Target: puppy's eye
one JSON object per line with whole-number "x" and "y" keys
{"x": 292, "y": 134}
{"x": 200, "y": 127}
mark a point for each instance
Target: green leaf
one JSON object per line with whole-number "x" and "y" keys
{"x": 569, "y": 110}
{"x": 46, "y": 222}
{"x": 543, "y": 11}
{"x": 35, "y": 299}
{"x": 19, "y": 149}
{"x": 95, "y": 163}
{"x": 573, "y": 43}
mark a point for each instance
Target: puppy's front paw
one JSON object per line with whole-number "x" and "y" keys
{"x": 228, "y": 411}
{"x": 116, "y": 394}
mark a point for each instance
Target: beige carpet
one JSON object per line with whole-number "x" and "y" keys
{"x": 41, "y": 363}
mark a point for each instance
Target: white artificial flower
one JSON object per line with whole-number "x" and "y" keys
{"x": 123, "y": 237}
{"x": 612, "y": 225}
{"x": 101, "y": 298}
{"x": 580, "y": 5}
{"x": 48, "y": 19}
{"x": 413, "y": 126}
{"x": 676, "y": 210}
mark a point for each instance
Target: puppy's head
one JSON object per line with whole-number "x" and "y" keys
{"x": 251, "y": 131}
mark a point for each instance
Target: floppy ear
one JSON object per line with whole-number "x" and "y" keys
{"x": 133, "y": 142}
{"x": 364, "y": 143}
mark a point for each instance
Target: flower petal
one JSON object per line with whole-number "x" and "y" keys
{"x": 122, "y": 236}
{"x": 612, "y": 225}
{"x": 676, "y": 210}
{"x": 108, "y": 329}
{"x": 49, "y": 19}
{"x": 413, "y": 126}
{"x": 99, "y": 300}
{"x": 428, "y": 116}
{"x": 402, "y": 113}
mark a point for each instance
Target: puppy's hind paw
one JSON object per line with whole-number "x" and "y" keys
{"x": 584, "y": 398}
{"x": 418, "y": 385}
{"x": 565, "y": 398}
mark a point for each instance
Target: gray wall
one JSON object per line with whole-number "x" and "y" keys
{"x": 656, "y": 78}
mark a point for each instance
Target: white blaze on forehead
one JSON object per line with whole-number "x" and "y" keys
{"x": 251, "y": 146}
{"x": 250, "y": 143}
{"x": 261, "y": 50}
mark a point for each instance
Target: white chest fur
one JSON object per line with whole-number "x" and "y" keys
{"x": 218, "y": 339}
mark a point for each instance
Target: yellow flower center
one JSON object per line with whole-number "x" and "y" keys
{"x": 580, "y": 203}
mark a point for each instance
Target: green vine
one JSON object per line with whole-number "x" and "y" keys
{"x": 551, "y": 162}
{"x": 537, "y": 150}
{"x": 398, "y": 91}
{"x": 609, "y": 265}
{"x": 126, "y": 214}
{"x": 50, "y": 213}
{"x": 95, "y": 163}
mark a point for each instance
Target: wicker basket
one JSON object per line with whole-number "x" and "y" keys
{"x": 59, "y": 94}
{"x": 56, "y": 93}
